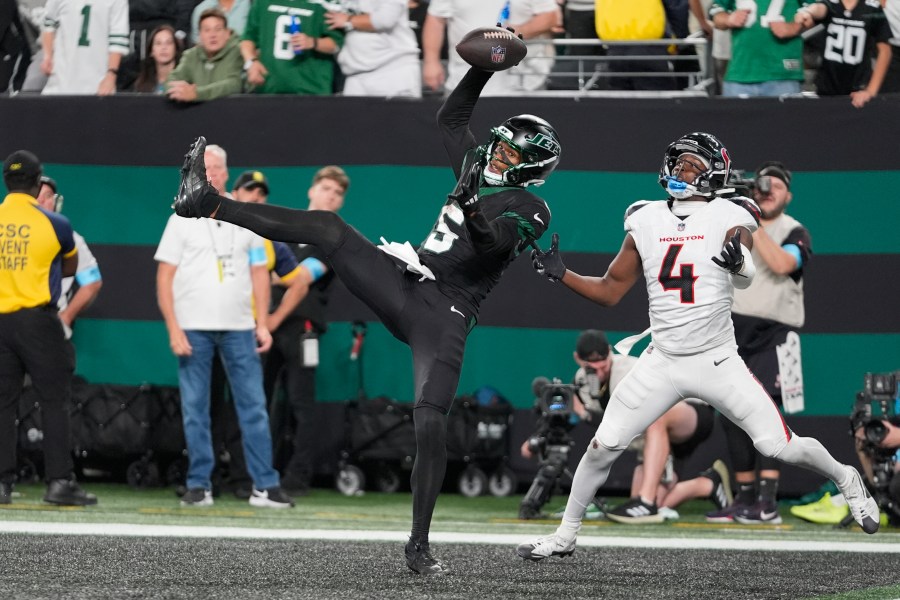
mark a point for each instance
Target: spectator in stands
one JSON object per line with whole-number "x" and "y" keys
{"x": 205, "y": 274}
{"x": 15, "y": 53}
{"x": 766, "y": 51}
{"x": 212, "y": 68}
{"x": 720, "y": 39}
{"x": 163, "y": 54}
{"x": 235, "y": 11}
{"x": 650, "y": 20}
{"x": 32, "y": 14}
{"x": 278, "y": 61}
{"x": 380, "y": 56}
{"x": 533, "y": 19}
{"x": 37, "y": 253}
{"x": 578, "y": 24}
{"x": 79, "y": 291}
{"x": 82, "y": 54}
{"x": 891, "y": 83}
{"x": 856, "y": 30}
{"x": 144, "y": 17}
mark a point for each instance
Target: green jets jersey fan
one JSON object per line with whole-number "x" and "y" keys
{"x": 269, "y": 27}
{"x": 84, "y": 32}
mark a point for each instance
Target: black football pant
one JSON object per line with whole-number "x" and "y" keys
{"x": 32, "y": 341}
{"x": 284, "y": 364}
{"x": 415, "y": 312}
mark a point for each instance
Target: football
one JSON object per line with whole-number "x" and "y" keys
{"x": 492, "y": 48}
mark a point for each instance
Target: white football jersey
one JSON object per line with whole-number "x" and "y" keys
{"x": 86, "y": 32}
{"x": 690, "y": 296}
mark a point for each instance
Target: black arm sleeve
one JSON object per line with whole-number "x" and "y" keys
{"x": 495, "y": 238}
{"x": 453, "y": 117}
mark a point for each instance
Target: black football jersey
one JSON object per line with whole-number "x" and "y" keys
{"x": 851, "y": 36}
{"x": 448, "y": 251}
{"x": 516, "y": 215}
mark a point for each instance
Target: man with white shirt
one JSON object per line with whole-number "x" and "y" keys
{"x": 205, "y": 270}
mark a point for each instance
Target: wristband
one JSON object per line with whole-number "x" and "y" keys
{"x": 113, "y": 71}
{"x": 348, "y": 26}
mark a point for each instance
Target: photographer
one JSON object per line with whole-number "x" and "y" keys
{"x": 767, "y": 317}
{"x": 599, "y": 371}
{"x": 679, "y": 431}
{"x": 878, "y": 435}
{"x": 877, "y": 439}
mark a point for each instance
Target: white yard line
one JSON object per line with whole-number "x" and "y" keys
{"x": 126, "y": 530}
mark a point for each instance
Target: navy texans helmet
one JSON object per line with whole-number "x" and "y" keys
{"x": 538, "y": 143}
{"x": 716, "y": 159}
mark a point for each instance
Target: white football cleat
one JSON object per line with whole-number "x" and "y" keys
{"x": 862, "y": 506}
{"x": 544, "y": 547}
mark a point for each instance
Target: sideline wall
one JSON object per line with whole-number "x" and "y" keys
{"x": 117, "y": 159}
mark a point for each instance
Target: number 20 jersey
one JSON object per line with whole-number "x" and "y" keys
{"x": 690, "y": 296}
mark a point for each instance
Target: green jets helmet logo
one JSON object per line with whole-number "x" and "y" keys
{"x": 546, "y": 142}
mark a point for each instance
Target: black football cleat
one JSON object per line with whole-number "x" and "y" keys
{"x": 67, "y": 492}
{"x": 6, "y": 492}
{"x": 419, "y": 559}
{"x": 194, "y": 184}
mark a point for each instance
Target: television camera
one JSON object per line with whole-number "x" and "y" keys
{"x": 551, "y": 442}
{"x": 879, "y": 401}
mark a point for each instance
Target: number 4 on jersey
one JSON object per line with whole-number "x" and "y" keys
{"x": 684, "y": 281}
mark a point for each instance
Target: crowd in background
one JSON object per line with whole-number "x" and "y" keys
{"x": 194, "y": 51}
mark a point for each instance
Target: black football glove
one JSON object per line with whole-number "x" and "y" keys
{"x": 549, "y": 263}
{"x": 466, "y": 192}
{"x": 732, "y": 256}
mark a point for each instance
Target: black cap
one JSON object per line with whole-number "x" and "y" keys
{"x": 592, "y": 345}
{"x": 51, "y": 182}
{"x": 252, "y": 179}
{"x": 773, "y": 168}
{"x": 22, "y": 163}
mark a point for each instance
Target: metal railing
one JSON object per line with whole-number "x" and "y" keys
{"x": 578, "y": 73}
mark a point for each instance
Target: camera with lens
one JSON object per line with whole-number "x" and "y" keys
{"x": 879, "y": 401}
{"x": 743, "y": 183}
{"x": 554, "y": 403}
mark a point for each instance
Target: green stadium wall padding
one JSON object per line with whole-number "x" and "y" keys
{"x": 116, "y": 160}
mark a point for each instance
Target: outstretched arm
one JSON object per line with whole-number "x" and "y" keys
{"x": 622, "y": 274}
{"x": 453, "y": 117}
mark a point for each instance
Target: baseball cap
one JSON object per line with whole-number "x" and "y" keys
{"x": 22, "y": 162}
{"x": 592, "y": 345}
{"x": 774, "y": 168}
{"x": 252, "y": 179}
